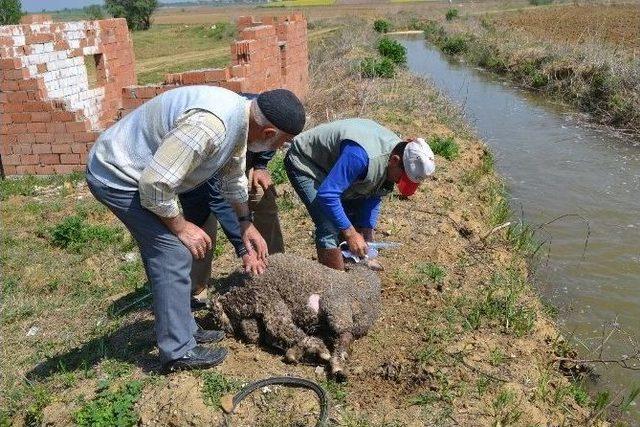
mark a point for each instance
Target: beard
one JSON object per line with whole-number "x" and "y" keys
{"x": 262, "y": 145}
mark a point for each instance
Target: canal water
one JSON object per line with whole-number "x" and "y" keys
{"x": 555, "y": 164}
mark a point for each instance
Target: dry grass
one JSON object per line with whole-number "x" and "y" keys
{"x": 617, "y": 25}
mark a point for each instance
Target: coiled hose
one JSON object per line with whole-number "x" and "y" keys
{"x": 323, "y": 399}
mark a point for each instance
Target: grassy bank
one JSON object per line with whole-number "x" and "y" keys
{"x": 462, "y": 340}
{"x": 588, "y": 60}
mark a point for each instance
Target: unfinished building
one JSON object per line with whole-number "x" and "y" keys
{"x": 62, "y": 83}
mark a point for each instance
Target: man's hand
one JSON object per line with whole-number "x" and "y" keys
{"x": 253, "y": 241}
{"x": 193, "y": 237}
{"x": 356, "y": 242}
{"x": 252, "y": 265}
{"x": 261, "y": 178}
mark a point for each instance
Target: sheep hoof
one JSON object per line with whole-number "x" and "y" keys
{"x": 340, "y": 376}
{"x": 293, "y": 355}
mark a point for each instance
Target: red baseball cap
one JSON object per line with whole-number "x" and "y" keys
{"x": 406, "y": 187}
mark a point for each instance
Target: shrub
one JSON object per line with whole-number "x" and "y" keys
{"x": 540, "y": 2}
{"x": 451, "y": 14}
{"x": 454, "y": 44}
{"x": 382, "y": 26}
{"x": 136, "y": 12}
{"x": 372, "y": 67}
{"x": 10, "y": 12}
{"x": 393, "y": 50}
{"x": 445, "y": 147}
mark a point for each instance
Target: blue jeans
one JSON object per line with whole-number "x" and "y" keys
{"x": 327, "y": 235}
{"x": 167, "y": 263}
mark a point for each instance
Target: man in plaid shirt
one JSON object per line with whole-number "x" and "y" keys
{"x": 140, "y": 167}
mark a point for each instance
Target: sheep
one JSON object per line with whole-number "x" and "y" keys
{"x": 297, "y": 305}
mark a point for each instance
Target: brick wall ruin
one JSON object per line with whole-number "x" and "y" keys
{"x": 268, "y": 54}
{"x": 51, "y": 107}
{"x": 63, "y": 83}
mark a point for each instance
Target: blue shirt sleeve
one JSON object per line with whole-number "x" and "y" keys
{"x": 259, "y": 160}
{"x": 367, "y": 212}
{"x": 351, "y": 166}
{"x": 228, "y": 220}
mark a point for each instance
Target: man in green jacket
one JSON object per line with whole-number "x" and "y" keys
{"x": 342, "y": 169}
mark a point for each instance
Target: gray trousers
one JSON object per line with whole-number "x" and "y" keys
{"x": 167, "y": 263}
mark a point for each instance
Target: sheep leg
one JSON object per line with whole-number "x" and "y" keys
{"x": 279, "y": 326}
{"x": 340, "y": 354}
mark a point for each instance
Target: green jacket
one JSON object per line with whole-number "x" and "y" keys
{"x": 315, "y": 151}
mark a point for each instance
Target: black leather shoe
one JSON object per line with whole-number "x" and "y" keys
{"x": 197, "y": 305}
{"x": 203, "y": 336}
{"x": 198, "y": 358}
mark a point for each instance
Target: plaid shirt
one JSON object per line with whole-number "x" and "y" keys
{"x": 197, "y": 136}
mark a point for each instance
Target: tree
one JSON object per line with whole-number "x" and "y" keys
{"x": 10, "y": 12}
{"x": 136, "y": 12}
{"x": 93, "y": 11}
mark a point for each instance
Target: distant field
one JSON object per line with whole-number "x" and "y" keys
{"x": 614, "y": 24}
{"x": 175, "y": 48}
{"x": 296, "y": 3}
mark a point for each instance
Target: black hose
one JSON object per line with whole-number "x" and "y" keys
{"x": 289, "y": 382}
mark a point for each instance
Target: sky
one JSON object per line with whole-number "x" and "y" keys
{"x": 38, "y": 5}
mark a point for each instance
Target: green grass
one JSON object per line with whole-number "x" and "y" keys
{"x": 455, "y": 44}
{"x": 496, "y": 357}
{"x": 382, "y": 25}
{"x": 30, "y": 184}
{"x": 500, "y": 304}
{"x": 277, "y": 170}
{"x": 506, "y": 408}
{"x": 77, "y": 235}
{"x": 377, "y": 67}
{"x": 433, "y": 271}
{"x": 445, "y": 147}
{"x": 111, "y": 407}
{"x": 337, "y": 391}
{"x": 216, "y": 385}
{"x": 298, "y": 3}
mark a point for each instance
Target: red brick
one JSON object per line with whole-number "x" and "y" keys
{"x": 21, "y": 117}
{"x": 41, "y": 148}
{"x": 49, "y": 159}
{"x": 26, "y": 138}
{"x": 39, "y": 38}
{"x": 36, "y": 127}
{"x": 9, "y": 170}
{"x": 44, "y": 137}
{"x": 79, "y": 148}
{"x": 55, "y": 127}
{"x": 9, "y": 85}
{"x": 29, "y": 159}
{"x": 63, "y": 137}
{"x": 41, "y": 117}
{"x": 64, "y": 169}
{"x": 16, "y": 129}
{"x": 10, "y": 64}
{"x": 71, "y": 159}
{"x": 61, "y": 148}
{"x": 25, "y": 170}
{"x": 73, "y": 127}
{"x": 63, "y": 116}
{"x": 216, "y": 75}
{"x": 37, "y": 106}
{"x": 11, "y": 159}
{"x": 193, "y": 78}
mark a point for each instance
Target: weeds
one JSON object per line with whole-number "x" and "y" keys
{"x": 433, "y": 271}
{"x": 30, "y": 185}
{"x": 382, "y": 26}
{"x": 393, "y": 50}
{"x": 501, "y": 303}
{"x": 111, "y": 407}
{"x": 215, "y": 385}
{"x": 444, "y": 146}
{"x": 451, "y": 14}
{"x": 75, "y": 234}
{"x": 540, "y": 2}
{"x": 336, "y": 390}
{"x": 505, "y": 408}
{"x": 277, "y": 170}
{"x": 374, "y": 67}
{"x": 455, "y": 44}
{"x": 496, "y": 357}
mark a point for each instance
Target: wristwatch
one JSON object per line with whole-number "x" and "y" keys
{"x": 246, "y": 218}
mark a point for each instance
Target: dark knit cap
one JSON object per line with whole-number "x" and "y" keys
{"x": 283, "y": 109}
